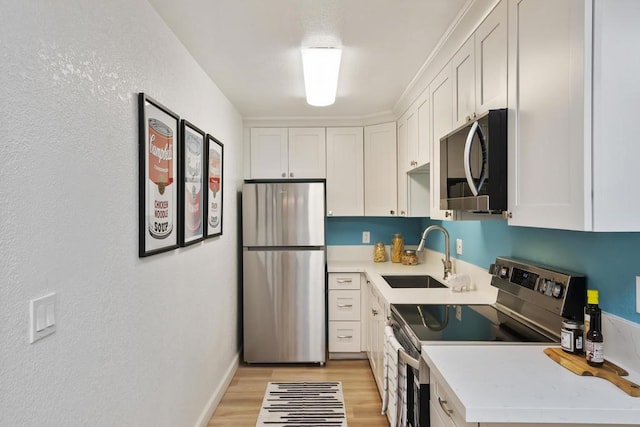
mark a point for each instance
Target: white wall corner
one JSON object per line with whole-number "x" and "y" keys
{"x": 218, "y": 393}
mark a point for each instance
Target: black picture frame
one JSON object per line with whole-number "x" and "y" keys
{"x": 215, "y": 187}
{"x": 193, "y": 183}
{"x": 159, "y": 139}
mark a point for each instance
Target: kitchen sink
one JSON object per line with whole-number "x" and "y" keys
{"x": 413, "y": 281}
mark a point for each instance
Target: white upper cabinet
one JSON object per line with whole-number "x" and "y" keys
{"x": 345, "y": 171}
{"x": 441, "y": 124}
{"x": 281, "y": 153}
{"x": 491, "y": 60}
{"x": 380, "y": 170}
{"x": 417, "y": 129}
{"x": 269, "y": 153}
{"x": 307, "y": 153}
{"x": 573, "y": 86}
{"x": 424, "y": 119}
{"x": 479, "y": 69}
{"x": 402, "y": 168}
{"x": 463, "y": 73}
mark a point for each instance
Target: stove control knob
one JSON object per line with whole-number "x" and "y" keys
{"x": 557, "y": 290}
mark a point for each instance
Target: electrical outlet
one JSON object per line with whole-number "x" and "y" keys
{"x": 637, "y": 294}
{"x": 459, "y": 246}
{"x": 366, "y": 237}
{"x": 459, "y": 313}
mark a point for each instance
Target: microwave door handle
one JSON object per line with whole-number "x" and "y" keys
{"x": 475, "y": 128}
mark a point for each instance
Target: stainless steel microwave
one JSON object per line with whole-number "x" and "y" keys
{"x": 473, "y": 165}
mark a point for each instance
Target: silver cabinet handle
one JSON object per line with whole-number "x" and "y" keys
{"x": 444, "y": 408}
{"x": 507, "y": 214}
{"x": 447, "y": 214}
{"x": 374, "y": 312}
{"x": 291, "y": 174}
{"x": 392, "y": 212}
{"x": 344, "y": 280}
{"x": 345, "y": 305}
{"x": 345, "y": 336}
{"x": 401, "y": 212}
{"x": 284, "y": 175}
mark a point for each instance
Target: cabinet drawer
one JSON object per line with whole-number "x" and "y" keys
{"x": 344, "y": 337}
{"x": 445, "y": 404}
{"x": 344, "y": 280}
{"x": 344, "y": 305}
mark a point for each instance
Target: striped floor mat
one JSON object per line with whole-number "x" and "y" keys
{"x": 303, "y": 404}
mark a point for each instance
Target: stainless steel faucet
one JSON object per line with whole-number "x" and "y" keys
{"x": 447, "y": 258}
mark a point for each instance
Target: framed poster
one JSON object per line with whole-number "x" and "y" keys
{"x": 158, "y": 166}
{"x": 192, "y": 179}
{"x": 215, "y": 163}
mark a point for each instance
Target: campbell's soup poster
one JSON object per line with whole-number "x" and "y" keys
{"x": 193, "y": 193}
{"x": 161, "y": 194}
{"x": 214, "y": 200}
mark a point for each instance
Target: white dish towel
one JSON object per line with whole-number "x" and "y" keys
{"x": 394, "y": 402}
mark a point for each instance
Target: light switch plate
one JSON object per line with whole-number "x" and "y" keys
{"x": 42, "y": 314}
{"x": 366, "y": 237}
{"x": 459, "y": 246}
{"x": 637, "y": 294}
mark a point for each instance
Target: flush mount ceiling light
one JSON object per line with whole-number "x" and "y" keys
{"x": 320, "y": 67}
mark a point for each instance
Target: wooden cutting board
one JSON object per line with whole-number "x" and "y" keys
{"x": 609, "y": 371}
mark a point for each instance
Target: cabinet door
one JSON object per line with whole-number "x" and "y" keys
{"x": 345, "y": 171}
{"x": 268, "y": 153}
{"x": 547, "y": 114}
{"x": 441, "y": 124}
{"x": 380, "y": 177}
{"x": 463, "y": 74}
{"x": 403, "y": 163}
{"x": 424, "y": 140}
{"x": 307, "y": 153}
{"x": 491, "y": 60}
{"x": 413, "y": 138}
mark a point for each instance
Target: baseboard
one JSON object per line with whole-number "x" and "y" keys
{"x": 216, "y": 397}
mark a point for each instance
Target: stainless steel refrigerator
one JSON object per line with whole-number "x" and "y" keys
{"x": 284, "y": 272}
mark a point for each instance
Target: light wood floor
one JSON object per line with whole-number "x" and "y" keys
{"x": 240, "y": 405}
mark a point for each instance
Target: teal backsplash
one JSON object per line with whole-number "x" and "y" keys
{"x": 611, "y": 261}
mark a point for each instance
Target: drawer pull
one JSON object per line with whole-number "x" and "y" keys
{"x": 345, "y": 336}
{"x": 345, "y": 305}
{"x": 344, "y": 281}
{"x": 444, "y": 408}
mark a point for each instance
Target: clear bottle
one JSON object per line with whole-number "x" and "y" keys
{"x": 397, "y": 246}
{"x": 379, "y": 252}
{"x": 594, "y": 342}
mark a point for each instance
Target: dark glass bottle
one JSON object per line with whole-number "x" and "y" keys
{"x": 592, "y": 304}
{"x": 594, "y": 346}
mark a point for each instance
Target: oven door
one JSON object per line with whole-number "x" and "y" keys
{"x": 416, "y": 405}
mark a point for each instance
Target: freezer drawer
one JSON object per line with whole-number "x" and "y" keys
{"x": 284, "y": 306}
{"x": 283, "y": 214}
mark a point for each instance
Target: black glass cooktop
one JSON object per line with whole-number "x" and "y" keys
{"x": 464, "y": 323}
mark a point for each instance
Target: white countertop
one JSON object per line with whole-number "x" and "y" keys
{"x": 520, "y": 384}
{"x": 484, "y": 293}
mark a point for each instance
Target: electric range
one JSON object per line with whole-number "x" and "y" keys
{"x": 531, "y": 304}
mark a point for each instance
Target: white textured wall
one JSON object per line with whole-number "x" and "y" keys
{"x": 140, "y": 342}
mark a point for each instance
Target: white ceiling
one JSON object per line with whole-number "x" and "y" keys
{"x": 251, "y": 49}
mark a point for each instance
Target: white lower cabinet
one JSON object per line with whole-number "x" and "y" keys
{"x": 345, "y": 326}
{"x": 376, "y": 316}
{"x": 445, "y": 408}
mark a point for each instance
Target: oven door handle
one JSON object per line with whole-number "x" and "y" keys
{"x": 414, "y": 363}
